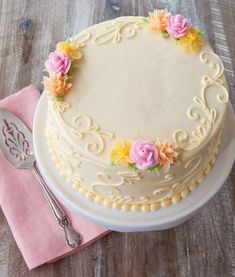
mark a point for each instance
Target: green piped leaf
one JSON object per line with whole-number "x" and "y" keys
{"x": 69, "y": 79}
{"x": 164, "y": 34}
{"x": 176, "y": 41}
{"x": 158, "y": 169}
{"x": 150, "y": 169}
{"x": 155, "y": 168}
{"x": 68, "y": 39}
{"x": 145, "y": 20}
{"x": 180, "y": 151}
{"x": 74, "y": 65}
{"x": 112, "y": 163}
{"x": 59, "y": 99}
{"x": 133, "y": 166}
{"x": 201, "y": 33}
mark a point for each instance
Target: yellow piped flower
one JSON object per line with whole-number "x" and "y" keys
{"x": 192, "y": 41}
{"x": 56, "y": 85}
{"x": 158, "y": 20}
{"x": 168, "y": 153}
{"x": 70, "y": 48}
{"x": 120, "y": 154}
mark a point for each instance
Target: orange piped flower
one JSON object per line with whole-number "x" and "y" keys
{"x": 192, "y": 41}
{"x": 120, "y": 155}
{"x": 70, "y": 48}
{"x": 56, "y": 85}
{"x": 158, "y": 20}
{"x": 168, "y": 155}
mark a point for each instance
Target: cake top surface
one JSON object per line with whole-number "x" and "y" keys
{"x": 138, "y": 80}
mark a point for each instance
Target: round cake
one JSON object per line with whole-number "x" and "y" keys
{"x": 136, "y": 107}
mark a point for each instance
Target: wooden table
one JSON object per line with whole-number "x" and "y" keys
{"x": 205, "y": 244}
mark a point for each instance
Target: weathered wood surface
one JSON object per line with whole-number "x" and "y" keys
{"x": 204, "y": 245}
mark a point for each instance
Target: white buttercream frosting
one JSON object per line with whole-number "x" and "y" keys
{"x": 132, "y": 84}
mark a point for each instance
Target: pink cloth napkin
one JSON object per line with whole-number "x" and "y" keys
{"x": 33, "y": 225}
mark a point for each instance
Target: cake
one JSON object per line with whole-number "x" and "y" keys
{"x": 136, "y": 108}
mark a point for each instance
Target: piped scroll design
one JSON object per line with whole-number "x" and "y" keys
{"x": 85, "y": 128}
{"x": 82, "y": 38}
{"x": 191, "y": 166}
{"x": 166, "y": 188}
{"x": 68, "y": 158}
{"x": 124, "y": 178}
{"x": 200, "y": 111}
{"x": 16, "y": 141}
{"x": 118, "y": 30}
{"x": 177, "y": 186}
{"x": 85, "y": 131}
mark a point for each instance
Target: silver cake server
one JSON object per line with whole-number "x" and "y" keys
{"x": 17, "y": 147}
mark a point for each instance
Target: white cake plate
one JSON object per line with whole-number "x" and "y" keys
{"x": 129, "y": 221}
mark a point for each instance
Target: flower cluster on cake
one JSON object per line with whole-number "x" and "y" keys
{"x": 60, "y": 65}
{"x": 145, "y": 155}
{"x": 176, "y": 27}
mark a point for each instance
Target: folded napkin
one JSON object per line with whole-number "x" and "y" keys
{"x": 30, "y": 218}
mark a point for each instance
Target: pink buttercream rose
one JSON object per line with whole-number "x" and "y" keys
{"x": 144, "y": 154}
{"x": 177, "y": 26}
{"x": 58, "y": 62}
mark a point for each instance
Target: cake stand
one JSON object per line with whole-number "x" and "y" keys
{"x": 163, "y": 218}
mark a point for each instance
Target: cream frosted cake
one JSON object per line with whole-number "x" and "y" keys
{"x": 136, "y": 107}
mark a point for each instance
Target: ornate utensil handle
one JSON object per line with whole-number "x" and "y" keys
{"x": 73, "y": 238}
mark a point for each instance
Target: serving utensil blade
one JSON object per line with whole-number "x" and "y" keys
{"x": 16, "y": 144}
{"x": 15, "y": 141}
